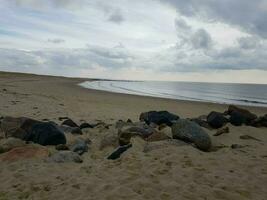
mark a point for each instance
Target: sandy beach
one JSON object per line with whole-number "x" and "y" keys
{"x": 169, "y": 170}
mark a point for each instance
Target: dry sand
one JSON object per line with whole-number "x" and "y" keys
{"x": 168, "y": 171}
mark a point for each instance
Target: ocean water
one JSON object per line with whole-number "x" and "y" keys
{"x": 224, "y": 93}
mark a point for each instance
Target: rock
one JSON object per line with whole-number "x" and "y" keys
{"x": 126, "y": 132}
{"x": 216, "y": 120}
{"x": 62, "y": 147}
{"x": 157, "y": 136}
{"x": 129, "y": 121}
{"x": 76, "y": 131}
{"x": 65, "y": 157}
{"x": 86, "y": 125}
{"x": 17, "y": 127}
{"x": 239, "y": 116}
{"x": 46, "y": 133}
{"x": 120, "y": 150}
{"x": 201, "y": 121}
{"x": 248, "y": 137}
{"x": 80, "y": 146}
{"x": 222, "y": 131}
{"x": 191, "y": 132}
{"x": 11, "y": 143}
{"x": 260, "y": 122}
{"x": 160, "y": 117}
{"x": 62, "y": 118}
{"x": 25, "y": 153}
{"x": 70, "y": 123}
{"x": 237, "y": 146}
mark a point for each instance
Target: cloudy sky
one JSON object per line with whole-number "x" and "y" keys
{"x": 183, "y": 40}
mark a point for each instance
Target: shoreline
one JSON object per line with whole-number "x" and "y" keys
{"x": 167, "y": 98}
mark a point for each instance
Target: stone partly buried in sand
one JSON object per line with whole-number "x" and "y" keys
{"x": 10, "y": 143}
{"x": 158, "y": 117}
{"x": 70, "y": 123}
{"x": 191, "y": 132}
{"x": 65, "y": 157}
{"x": 44, "y": 133}
{"x": 17, "y": 127}
{"x": 80, "y": 146}
{"x": 117, "y": 152}
{"x": 140, "y": 129}
{"x": 222, "y": 131}
{"x": 25, "y": 153}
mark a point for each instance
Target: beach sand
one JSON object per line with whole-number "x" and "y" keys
{"x": 169, "y": 170}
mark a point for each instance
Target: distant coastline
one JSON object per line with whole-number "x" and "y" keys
{"x": 222, "y": 93}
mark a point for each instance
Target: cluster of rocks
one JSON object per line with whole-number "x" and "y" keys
{"x": 234, "y": 115}
{"x": 22, "y": 131}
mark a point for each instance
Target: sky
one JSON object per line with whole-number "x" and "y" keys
{"x": 171, "y": 40}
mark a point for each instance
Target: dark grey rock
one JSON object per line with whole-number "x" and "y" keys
{"x": 239, "y": 116}
{"x": 191, "y": 132}
{"x": 46, "y": 133}
{"x": 216, "y": 120}
{"x": 86, "y": 125}
{"x": 70, "y": 123}
{"x": 120, "y": 150}
{"x": 76, "y": 131}
{"x": 158, "y": 117}
{"x": 260, "y": 122}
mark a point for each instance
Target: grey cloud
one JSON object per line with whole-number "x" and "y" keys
{"x": 40, "y": 4}
{"x": 201, "y": 39}
{"x": 182, "y": 25}
{"x": 116, "y": 17}
{"x": 191, "y": 38}
{"x": 249, "y": 42}
{"x": 56, "y": 41}
{"x": 64, "y": 61}
{"x": 247, "y": 14}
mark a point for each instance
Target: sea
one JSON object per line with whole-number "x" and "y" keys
{"x": 223, "y": 93}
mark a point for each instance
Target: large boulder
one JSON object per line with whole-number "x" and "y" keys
{"x": 239, "y": 116}
{"x": 17, "y": 127}
{"x": 216, "y": 120}
{"x": 46, "y": 133}
{"x": 191, "y": 132}
{"x": 65, "y": 157}
{"x": 158, "y": 117}
{"x": 25, "y": 153}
